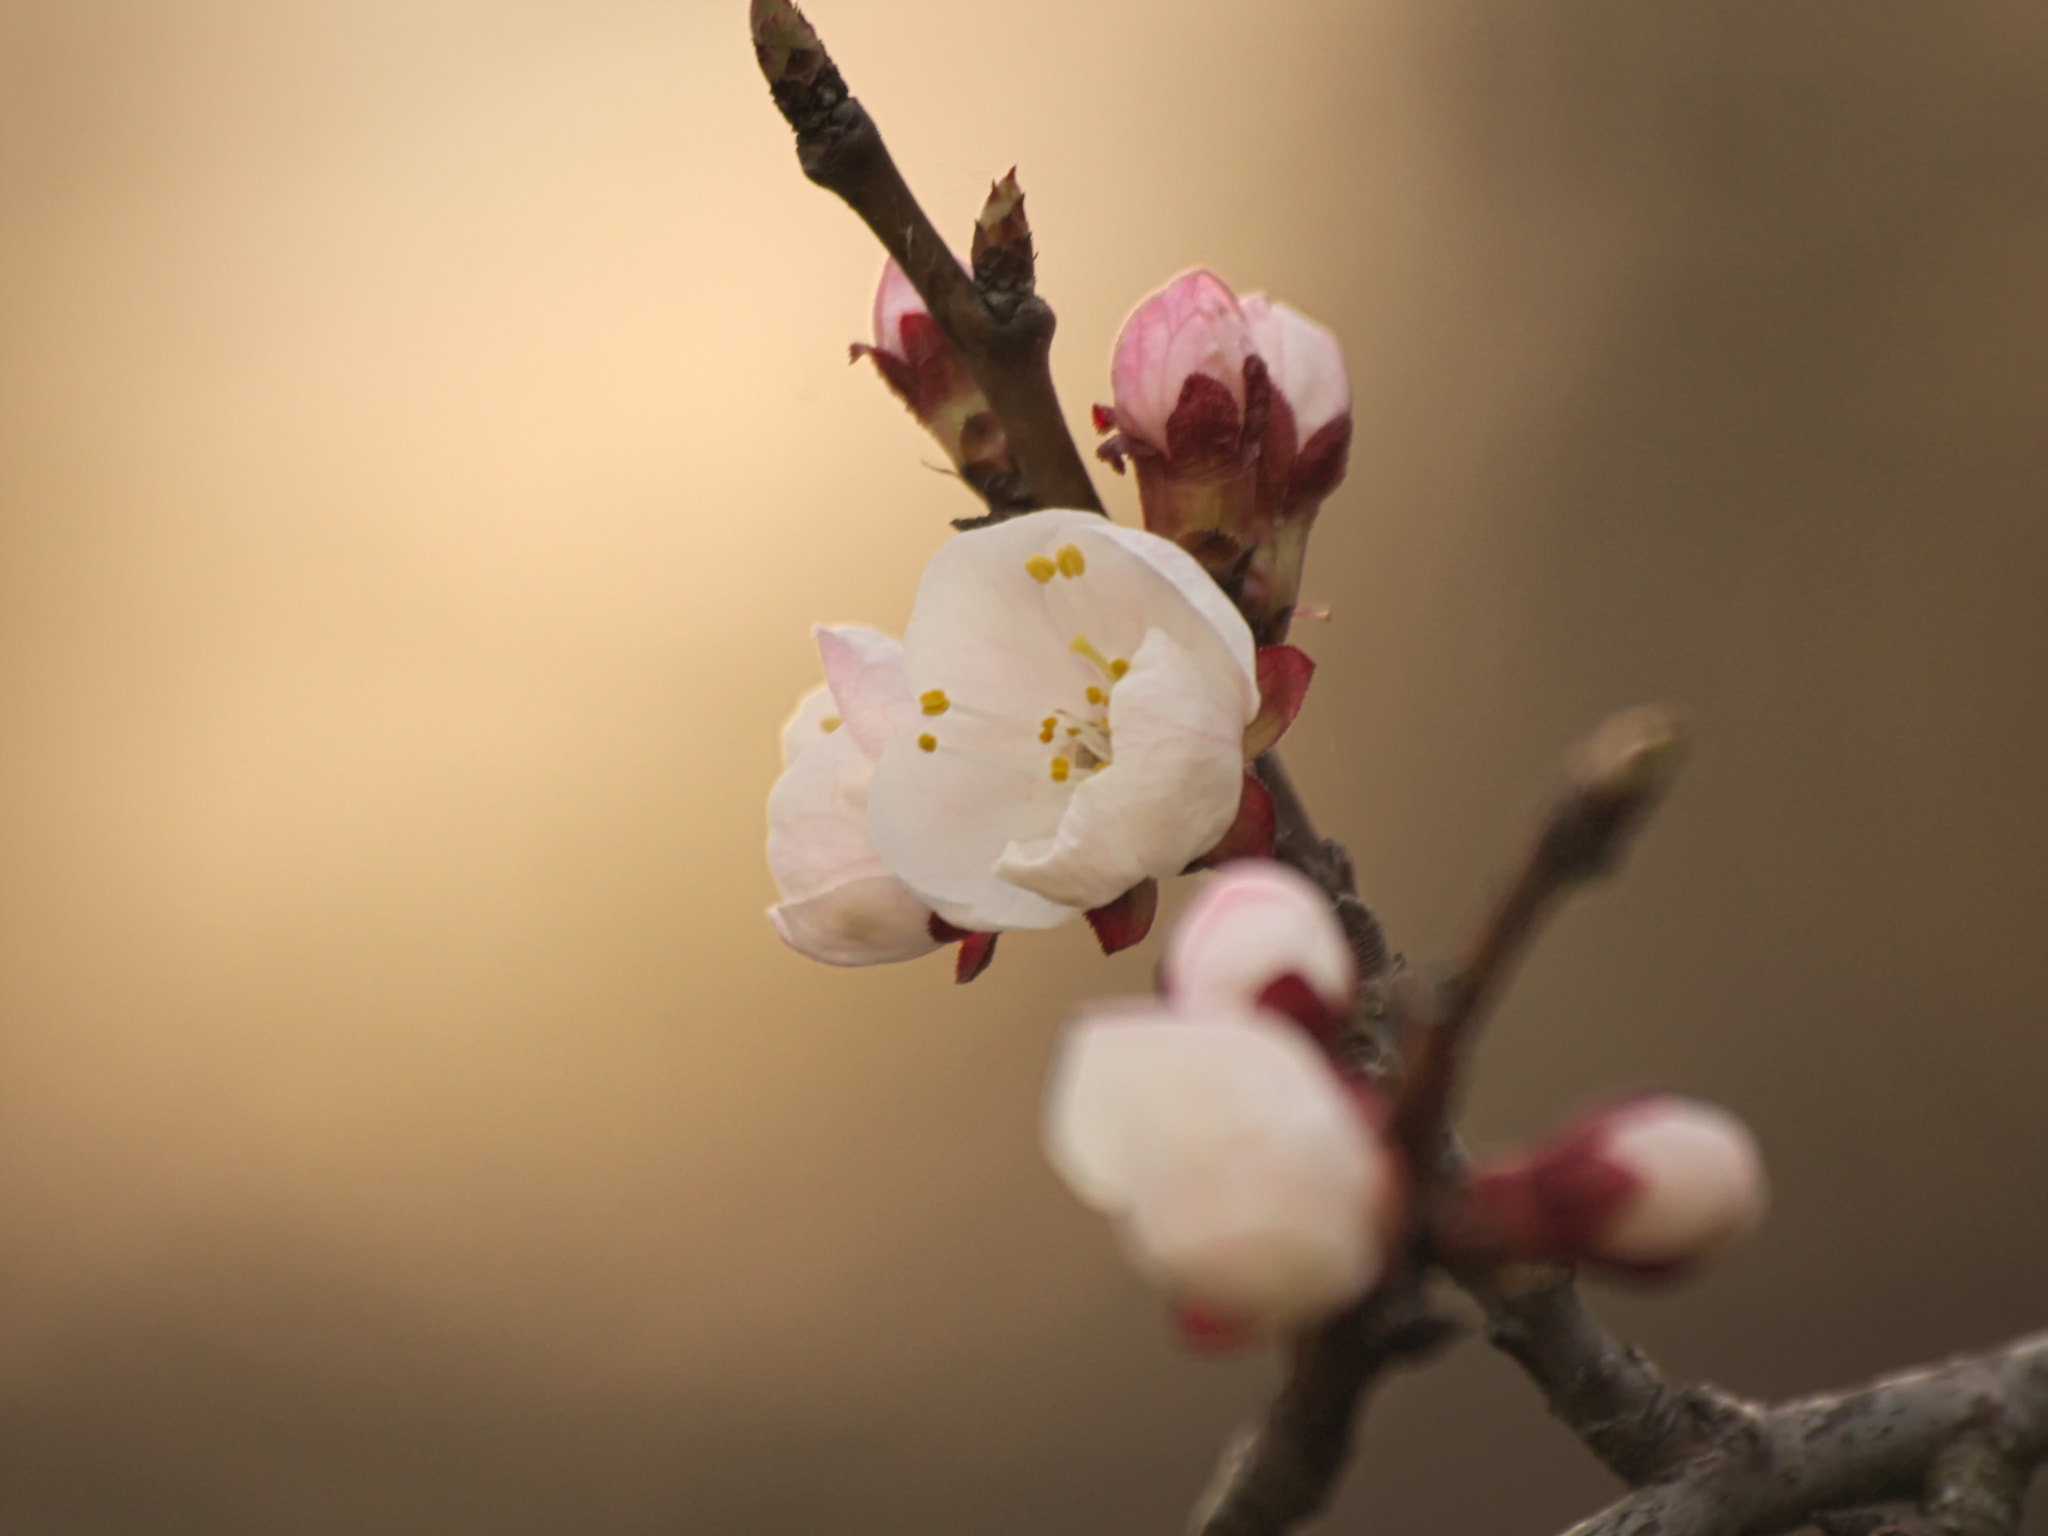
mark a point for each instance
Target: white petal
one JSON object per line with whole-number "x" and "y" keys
{"x": 1251, "y": 923}
{"x": 806, "y": 727}
{"x": 1703, "y": 1186}
{"x": 1305, "y": 362}
{"x": 941, "y": 819}
{"x": 1240, "y": 1173}
{"x": 841, "y": 904}
{"x": 1171, "y": 792}
{"x": 864, "y": 670}
{"x": 868, "y": 921}
{"x": 1222, "y": 631}
{"x": 817, "y": 820}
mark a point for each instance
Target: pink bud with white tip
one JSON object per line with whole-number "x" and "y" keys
{"x": 1649, "y": 1187}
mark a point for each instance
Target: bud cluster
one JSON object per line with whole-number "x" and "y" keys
{"x": 1248, "y": 1167}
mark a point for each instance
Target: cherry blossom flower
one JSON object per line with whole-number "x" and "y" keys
{"x": 840, "y": 903}
{"x": 1241, "y": 1173}
{"x": 1080, "y": 694}
{"x": 1648, "y": 1187}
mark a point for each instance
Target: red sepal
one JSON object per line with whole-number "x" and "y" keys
{"x": 1104, "y": 417}
{"x": 1292, "y": 997}
{"x": 1121, "y": 923}
{"x": 1250, "y": 836}
{"x": 974, "y": 953}
{"x": 973, "y": 956}
{"x": 1283, "y": 672}
{"x": 1208, "y": 1332}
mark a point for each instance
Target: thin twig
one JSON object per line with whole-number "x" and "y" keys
{"x": 1000, "y": 327}
{"x": 1614, "y": 777}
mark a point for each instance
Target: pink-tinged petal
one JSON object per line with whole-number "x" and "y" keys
{"x": 1238, "y": 1173}
{"x": 1249, "y": 925}
{"x": 1251, "y": 833}
{"x": 1304, "y": 361}
{"x": 1191, "y": 326}
{"x": 1171, "y": 792}
{"x": 815, "y": 718}
{"x": 840, "y": 904}
{"x": 973, "y": 957}
{"x": 817, "y": 820}
{"x": 1700, "y": 1183}
{"x": 869, "y": 921}
{"x": 864, "y": 671}
{"x": 1125, "y": 921}
{"x": 1284, "y": 674}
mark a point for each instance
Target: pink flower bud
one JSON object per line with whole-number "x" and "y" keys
{"x": 920, "y": 366}
{"x": 1261, "y": 935}
{"x": 1648, "y": 1187}
{"x": 1237, "y": 418}
{"x": 1179, "y": 369}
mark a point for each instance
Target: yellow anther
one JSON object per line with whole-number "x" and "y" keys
{"x": 927, "y": 742}
{"x": 1080, "y": 645}
{"x": 934, "y": 701}
{"x": 1068, "y": 559}
{"x": 1118, "y": 668}
{"x": 1045, "y": 731}
{"x": 1073, "y": 730}
{"x": 1041, "y": 569}
{"x": 830, "y": 724}
{"x": 1095, "y": 694}
{"x": 1059, "y": 770}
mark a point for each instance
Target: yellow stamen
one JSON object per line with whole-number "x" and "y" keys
{"x": 1045, "y": 730}
{"x": 830, "y": 724}
{"x": 1118, "y": 668}
{"x": 1095, "y": 694}
{"x": 927, "y": 742}
{"x": 934, "y": 701}
{"x": 1041, "y": 569}
{"x": 1059, "y": 770}
{"x": 1073, "y": 730}
{"x": 1081, "y": 645}
{"x": 1069, "y": 561}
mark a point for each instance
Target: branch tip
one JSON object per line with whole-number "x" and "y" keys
{"x": 785, "y": 44}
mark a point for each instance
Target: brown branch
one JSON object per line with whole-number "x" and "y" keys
{"x": 1281, "y": 1471}
{"x": 999, "y": 326}
{"x": 1961, "y": 1436}
{"x": 1604, "y": 1391}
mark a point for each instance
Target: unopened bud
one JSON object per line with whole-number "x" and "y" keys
{"x": 1237, "y": 418}
{"x": 1261, "y": 935}
{"x": 1241, "y": 1175}
{"x": 1648, "y": 1187}
{"x": 920, "y": 366}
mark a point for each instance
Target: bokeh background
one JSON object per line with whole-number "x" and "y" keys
{"x": 425, "y": 439}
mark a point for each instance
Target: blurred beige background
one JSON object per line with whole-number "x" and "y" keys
{"x": 425, "y": 440}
